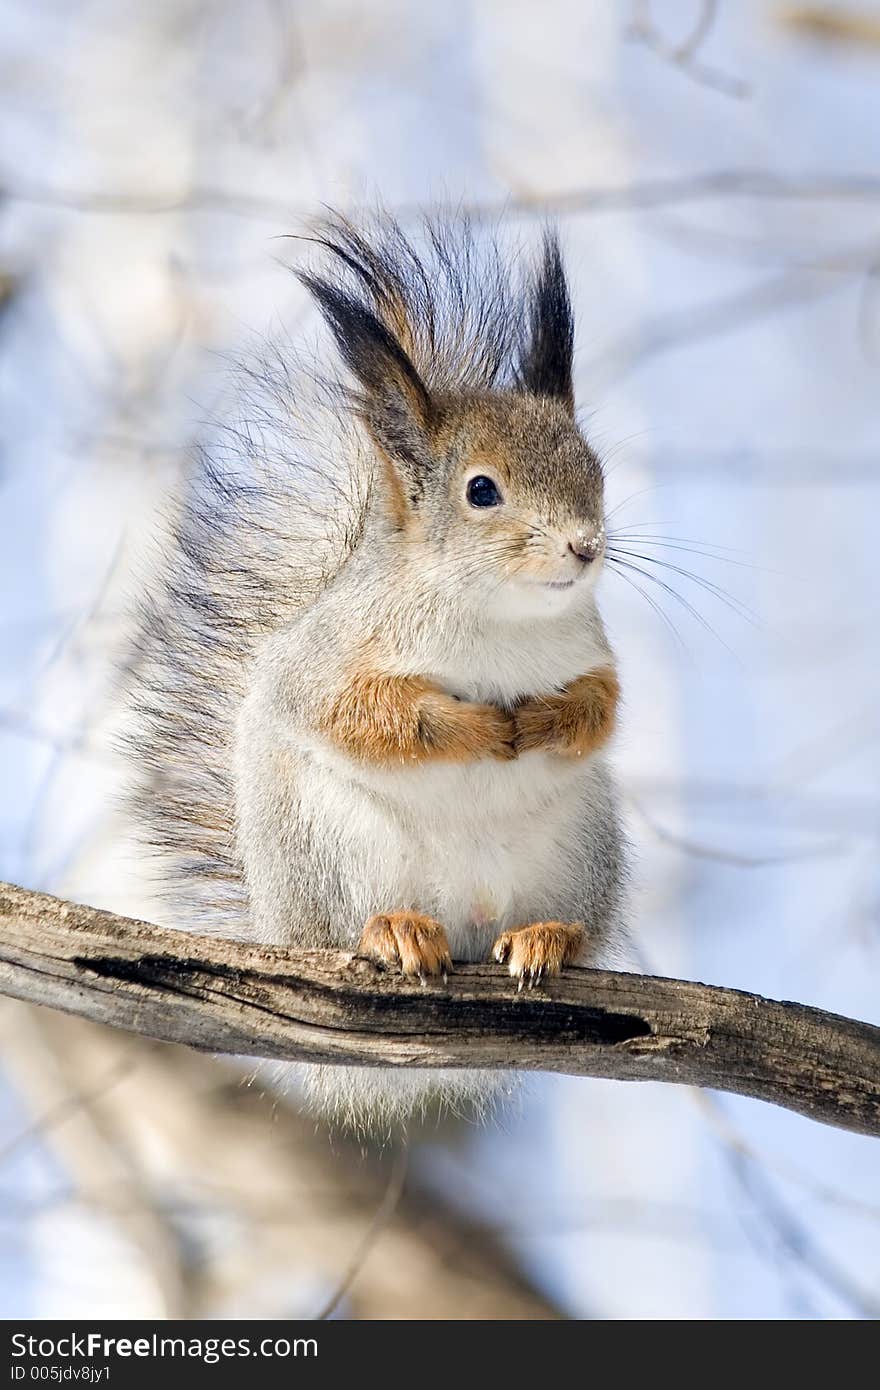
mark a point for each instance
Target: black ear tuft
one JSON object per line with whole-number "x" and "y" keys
{"x": 546, "y": 362}
{"x": 395, "y": 403}
{"x": 367, "y": 347}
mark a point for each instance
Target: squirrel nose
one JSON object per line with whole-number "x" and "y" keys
{"x": 582, "y": 550}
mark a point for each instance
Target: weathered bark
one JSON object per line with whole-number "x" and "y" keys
{"x": 325, "y": 1006}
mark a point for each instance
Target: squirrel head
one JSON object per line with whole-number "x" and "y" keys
{"x": 491, "y": 480}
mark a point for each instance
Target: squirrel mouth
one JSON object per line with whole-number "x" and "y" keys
{"x": 559, "y": 584}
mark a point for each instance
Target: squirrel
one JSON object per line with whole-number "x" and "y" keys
{"x": 374, "y": 689}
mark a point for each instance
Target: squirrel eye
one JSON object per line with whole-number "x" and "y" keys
{"x": 482, "y": 492}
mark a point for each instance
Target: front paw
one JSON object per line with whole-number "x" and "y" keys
{"x": 465, "y": 732}
{"x": 543, "y": 948}
{"x": 537, "y": 725}
{"x": 574, "y": 722}
{"x": 498, "y": 733}
{"x": 413, "y": 943}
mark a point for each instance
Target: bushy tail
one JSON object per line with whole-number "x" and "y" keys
{"x": 269, "y": 512}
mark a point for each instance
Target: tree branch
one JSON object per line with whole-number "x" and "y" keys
{"x": 325, "y": 1006}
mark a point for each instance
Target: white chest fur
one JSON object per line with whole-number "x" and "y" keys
{"x": 481, "y": 846}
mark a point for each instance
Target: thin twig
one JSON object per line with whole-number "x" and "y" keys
{"x": 383, "y": 1214}
{"x": 686, "y": 55}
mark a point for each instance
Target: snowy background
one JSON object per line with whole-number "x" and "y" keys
{"x": 715, "y": 174}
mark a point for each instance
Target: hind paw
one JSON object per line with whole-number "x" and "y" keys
{"x": 541, "y": 949}
{"x": 417, "y": 945}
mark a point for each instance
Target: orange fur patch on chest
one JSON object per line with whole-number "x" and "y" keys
{"x": 389, "y": 719}
{"x": 574, "y": 723}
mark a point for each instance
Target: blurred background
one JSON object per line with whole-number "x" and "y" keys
{"x": 714, "y": 172}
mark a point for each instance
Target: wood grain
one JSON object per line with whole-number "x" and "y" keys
{"x": 226, "y": 996}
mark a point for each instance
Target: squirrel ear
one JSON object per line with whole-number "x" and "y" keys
{"x": 395, "y": 404}
{"x": 546, "y": 362}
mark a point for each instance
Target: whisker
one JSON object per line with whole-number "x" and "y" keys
{"x": 658, "y": 609}
{"x": 679, "y": 598}
{"x": 537, "y": 529}
{"x": 734, "y": 604}
{"x": 680, "y": 543}
{"x": 687, "y": 540}
{"x": 632, "y": 498}
{"x": 708, "y": 549}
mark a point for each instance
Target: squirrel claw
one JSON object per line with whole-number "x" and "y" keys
{"x": 501, "y": 949}
{"x": 415, "y": 944}
{"x": 537, "y": 951}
